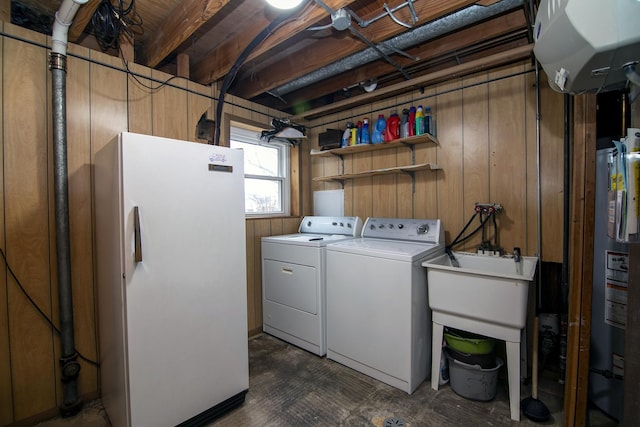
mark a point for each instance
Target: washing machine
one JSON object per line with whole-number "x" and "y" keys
{"x": 378, "y": 316}
{"x": 294, "y": 278}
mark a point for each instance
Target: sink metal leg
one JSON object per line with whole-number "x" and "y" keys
{"x": 513, "y": 370}
{"x": 436, "y": 354}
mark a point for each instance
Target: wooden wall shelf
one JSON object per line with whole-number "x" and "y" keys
{"x": 364, "y": 148}
{"x": 386, "y": 171}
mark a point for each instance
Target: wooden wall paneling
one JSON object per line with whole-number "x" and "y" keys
{"x": 262, "y": 227}
{"x": 5, "y": 11}
{"x": 425, "y": 198}
{"x": 580, "y": 259}
{"x": 276, "y": 226}
{"x": 450, "y": 182}
{"x": 170, "y": 107}
{"x": 139, "y": 100}
{"x": 405, "y": 156}
{"x": 475, "y": 129}
{"x": 251, "y": 276}
{"x": 198, "y": 103}
{"x": 385, "y": 194}
{"x": 362, "y": 195}
{"x": 358, "y": 193}
{"x": 531, "y": 247}
{"x": 508, "y": 156}
{"x": 296, "y": 177}
{"x": 552, "y": 170}
{"x": 81, "y": 232}
{"x": 26, "y": 223}
{"x": 290, "y": 225}
{"x": 108, "y": 101}
{"x": 6, "y": 397}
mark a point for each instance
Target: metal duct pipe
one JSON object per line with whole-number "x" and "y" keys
{"x": 431, "y": 30}
{"x": 58, "y": 66}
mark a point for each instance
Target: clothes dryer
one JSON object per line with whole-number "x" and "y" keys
{"x": 294, "y": 277}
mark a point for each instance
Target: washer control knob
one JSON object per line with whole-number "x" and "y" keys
{"x": 381, "y": 226}
{"x": 423, "y": 229}
{"x": 334, "y": 223}
{"x": 308, "y": 223}
{"x": 373, "y": 227}
{"x": 390, "y": 226}
{"x": 400, "y": 226}
{"x": 342, "y": 224}
{"x": 348, "y": 225}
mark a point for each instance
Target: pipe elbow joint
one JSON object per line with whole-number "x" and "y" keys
{"x": 63, "y": 18}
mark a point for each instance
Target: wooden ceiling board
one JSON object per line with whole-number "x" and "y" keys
{"x": 212, "y": 34}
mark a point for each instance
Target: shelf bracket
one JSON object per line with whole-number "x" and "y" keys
{"x": 412, "y": 147}
{"x": 413, "y": 179}
{"x": 341, "y": 157}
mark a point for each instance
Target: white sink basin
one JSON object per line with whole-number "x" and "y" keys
{"x": 485, "y": 295}
{"x": 484, "y": 288}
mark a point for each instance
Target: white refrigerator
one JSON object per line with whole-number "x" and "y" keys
{"x": 171, "y": 273}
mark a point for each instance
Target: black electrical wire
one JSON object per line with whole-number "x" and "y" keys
{"x": 231, "y": 75}
{"x": 39, "y": 310}
{"x": 125, "y": 63}
{"x": 470, "y": 235}
{"x": 109, "y": 22}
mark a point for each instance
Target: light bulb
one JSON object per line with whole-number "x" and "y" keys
{"x": 284, "y": 4}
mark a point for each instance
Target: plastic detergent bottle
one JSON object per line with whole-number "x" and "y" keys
{"x": 353, "y": 139}
{"x": 359, "y": 133}
{"x": 419, "y": 120}
{"x": 392, "y": 130}
{"x": 377, "y": 136}
{"x": 345, "y": 137}
{"x": 404, "y": 124}
{"x": 365, "y": 138}
{"x": 412, "y": 121}
{"x": 428, "y": 121}
{"x": 431, "y": 121}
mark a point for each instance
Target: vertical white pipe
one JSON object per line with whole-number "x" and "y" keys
{"x": 63, "y": 18}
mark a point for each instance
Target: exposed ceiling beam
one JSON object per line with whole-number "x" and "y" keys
{"x": 487, "y": 62}
{"x": 82, "y": 18}
{"x": 271, "y": 77}
{"x": 218, "y": 64}
{"x": 450, "y": 44}
{"x": 183, "y": 21}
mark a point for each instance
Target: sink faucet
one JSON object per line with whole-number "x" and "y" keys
{"x": 517, "y": 257}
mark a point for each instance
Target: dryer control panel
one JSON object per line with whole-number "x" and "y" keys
{"x": 416, "y": 230}
{"x": 345, "y": 225}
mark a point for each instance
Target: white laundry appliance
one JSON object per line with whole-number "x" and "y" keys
{"x": 171, "y": 274}
{"x": 378, "y": 317}
{"x": 293, "y": 280}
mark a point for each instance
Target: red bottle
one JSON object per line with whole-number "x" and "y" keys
{"x": 392, "y": 131}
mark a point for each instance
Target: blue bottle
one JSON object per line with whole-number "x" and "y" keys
{"x": 378, "y": 130}
{"x": 366, "y": 136}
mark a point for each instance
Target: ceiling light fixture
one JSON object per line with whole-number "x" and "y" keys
{"x": 284, "y": 4}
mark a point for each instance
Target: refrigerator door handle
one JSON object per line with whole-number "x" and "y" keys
{"x": 136, "y": 235}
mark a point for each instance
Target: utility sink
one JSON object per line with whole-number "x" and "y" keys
{"x": 486, "y": 295}
{"x": 487, "y": 288}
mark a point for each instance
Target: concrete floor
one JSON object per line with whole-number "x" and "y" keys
{"x": 291, "y": 387}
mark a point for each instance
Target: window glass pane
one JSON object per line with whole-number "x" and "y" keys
{"x": 262, "y": 196}
{"x": 258, "y": 159}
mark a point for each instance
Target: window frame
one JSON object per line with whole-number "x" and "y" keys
{"x": 249, "y": 134}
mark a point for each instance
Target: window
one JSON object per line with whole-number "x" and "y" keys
{"x": 266, "y": 172}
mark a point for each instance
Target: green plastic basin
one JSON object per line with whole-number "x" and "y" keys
{"x": 466, "y": 342}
